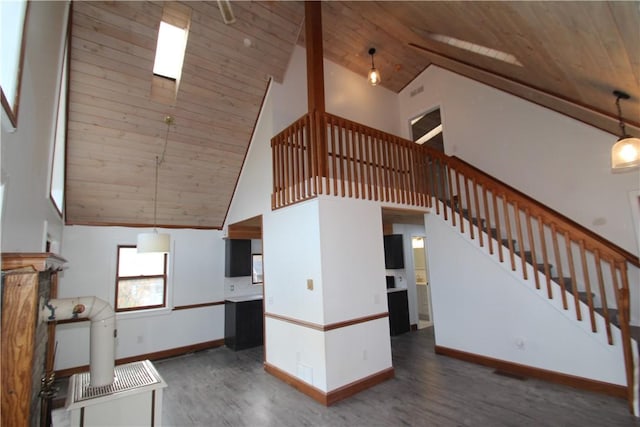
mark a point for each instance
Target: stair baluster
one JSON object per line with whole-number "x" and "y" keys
{"x": 523, "y": 259}
{"x": 556, "y": 251}
{"x": 572, "y": 273}
{"x": 532, "y": 245}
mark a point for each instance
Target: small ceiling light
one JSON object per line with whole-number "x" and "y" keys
{"x": 374, "y": 74}
{"x": 625, "y": 154}
{"x": 154, "y": 241}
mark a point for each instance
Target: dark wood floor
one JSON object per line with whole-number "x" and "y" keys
{"x": 224, "y": 388}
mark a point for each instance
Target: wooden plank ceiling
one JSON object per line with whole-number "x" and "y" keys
{"x": 116, "y": 129}
{"x": 573, "y": 54}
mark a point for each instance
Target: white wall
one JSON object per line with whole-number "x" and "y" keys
{"x": 253, "y": 191}
{"x": 559, "y": 161}
{"x": 480, "y": 306}
{"x": 291, "y": 257}
{"x": 349, "y": 95}
{"x": 27, "y": 212}
{"x": 357, "y": 352}
{"x": 291, "y": 241}
{"x": 354, "y": 286}
{"x": 298, "y": 351}
{"x": 352, "y": 250}
{"x": 196, "y": 271}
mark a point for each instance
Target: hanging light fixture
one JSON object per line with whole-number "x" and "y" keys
{"x": 625, "y": 154}
{"x": 374, "y": 74}
{"x": 154, "y": 241}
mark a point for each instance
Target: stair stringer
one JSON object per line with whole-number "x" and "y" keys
{"x": 482, "y": 306}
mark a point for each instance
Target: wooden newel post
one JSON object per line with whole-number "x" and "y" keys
{"x": 315, "y": 84}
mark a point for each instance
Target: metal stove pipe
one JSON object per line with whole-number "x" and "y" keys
{"x": 103, "y": 331}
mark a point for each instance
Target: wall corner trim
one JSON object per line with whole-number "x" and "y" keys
{"x": 333, "y": 396}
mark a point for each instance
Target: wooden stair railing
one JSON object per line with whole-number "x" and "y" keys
{"x": 545, "y": 240}
{"x": 360, "y": 162}
{"x": 587, "y": 272}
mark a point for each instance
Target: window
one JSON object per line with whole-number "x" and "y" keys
{"x": 427, "y": 130}
{"x": 172, "y": 42}
{"x": 56, "y": 189}
{"x": 12, "y": 20}
{"x": 173, "y": 33}
{"x": 141, "y": 280}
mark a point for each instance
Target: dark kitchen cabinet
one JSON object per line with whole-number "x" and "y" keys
{"x": 393, "y": 252}
{"x": 398, "y": 311}
{"x": 243, "y": 323}
{"x": 237, "y": 256}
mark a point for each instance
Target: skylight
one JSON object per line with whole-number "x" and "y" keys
{"x": 172, "y": 42}
{"x": 476, "y": 48}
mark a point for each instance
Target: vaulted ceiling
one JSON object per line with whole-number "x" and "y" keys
{"x": 572, "y": 56}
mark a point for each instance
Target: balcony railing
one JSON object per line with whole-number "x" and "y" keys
{"x": 326, "y": 154}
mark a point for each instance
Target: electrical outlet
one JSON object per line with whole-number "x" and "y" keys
{"x": 232, "y": 288}
{"x": 140, "y": 339}
{"x": 310, "y": 284}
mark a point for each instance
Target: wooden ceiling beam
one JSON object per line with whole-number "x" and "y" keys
{"x": 315, "y": 65}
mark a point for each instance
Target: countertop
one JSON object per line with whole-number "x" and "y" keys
{"x": 390, "y": 290}
{"x": 244, "y": 298}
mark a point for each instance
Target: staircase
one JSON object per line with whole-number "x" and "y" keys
{"x": 591, "y": 299}
{"x": 323, "y": 154}
{"x": 562, "y": 254}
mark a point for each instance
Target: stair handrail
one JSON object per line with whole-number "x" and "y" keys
{"x": 577, "y": 230}
{"x": 616, "y": 256}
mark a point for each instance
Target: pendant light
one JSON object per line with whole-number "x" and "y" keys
{"x": 625, "y": 154}
{"x": 374, "y": 74}
{"x": 154, "y": 241}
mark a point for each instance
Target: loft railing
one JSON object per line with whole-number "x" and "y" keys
{"x": 352, "y": 160}
{"x": 326, "y": 154}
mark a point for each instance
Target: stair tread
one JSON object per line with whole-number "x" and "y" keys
{"x": 613, "y": 314}
{"x": 582, "y": 295}
{"x": 566, "y": 282}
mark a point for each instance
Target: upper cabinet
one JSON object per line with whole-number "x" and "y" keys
{"x": 237, "y": 258}
{"x": 393, "y": 252}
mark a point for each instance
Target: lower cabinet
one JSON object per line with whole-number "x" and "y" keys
{"x": 243, "y": 323}
{"x": 398, "y": 302}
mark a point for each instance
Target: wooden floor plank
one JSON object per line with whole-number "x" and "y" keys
{"x": 222, "y": 387}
